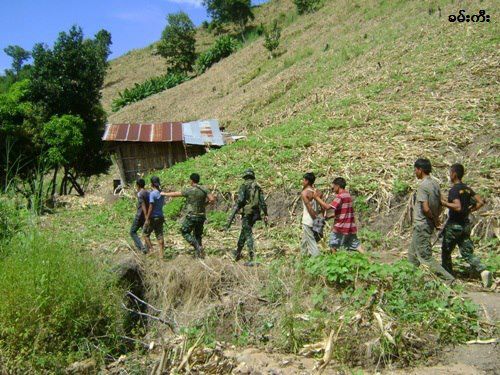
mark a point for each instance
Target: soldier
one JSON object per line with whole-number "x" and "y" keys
{"x": 461, "y": 201}
{"x": 251, "y": 202}
{"x": 427, "y": 206}
{"x": 197, "y": 198}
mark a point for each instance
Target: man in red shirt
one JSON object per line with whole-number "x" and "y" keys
{"x": 344, "y": 227}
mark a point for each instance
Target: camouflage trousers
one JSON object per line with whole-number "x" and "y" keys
{"x": 420, "y": 251}
{"x": 456, "y": 234}
{"x": 192, "y": 229}
{"x": 246, "y": 235}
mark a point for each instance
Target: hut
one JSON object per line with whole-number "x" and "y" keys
{"x": 140, "y": 148}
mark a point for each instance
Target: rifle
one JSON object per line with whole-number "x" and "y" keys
{"x": 231, "y": 218}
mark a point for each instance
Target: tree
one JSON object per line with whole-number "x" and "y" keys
{"x": 238, "y": 12}
{"x": 177, "y": 43}
{"x": 307, "y": 6}
{"x": 67, "y": 80}
{"x": 19, "y": 55}
{"x": 64, "y": 139}
{"x": 272, "y": 38}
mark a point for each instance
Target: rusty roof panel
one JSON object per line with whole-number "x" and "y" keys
{"x": 163, "y": 132}
{"x": 133, "y": 132}
{"x": 205, "y": 132}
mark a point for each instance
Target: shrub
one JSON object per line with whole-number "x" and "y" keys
{"x": 56, "y": 306}
{"x": 272, "y": 38}
{"x": 223, "y": 47}
{"x": 150, "y": 87}
{"x": 307, "y": 6}
{"x": 12, "y": 218}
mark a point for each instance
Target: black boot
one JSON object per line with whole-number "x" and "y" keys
{"x": 199, "y": 252}
{"x": 250, "y": 262}
{"x": 237, "y": 254}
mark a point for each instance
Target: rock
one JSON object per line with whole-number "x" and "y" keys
{"x": 88, "y": 366}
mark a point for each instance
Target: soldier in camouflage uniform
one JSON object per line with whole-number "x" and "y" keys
{"x": 251, "y": 202}
{"x": 197, "y": 198}
{"x": 461, "y": 201}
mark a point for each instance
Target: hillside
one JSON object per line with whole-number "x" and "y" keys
{"x": 141, "y": 64}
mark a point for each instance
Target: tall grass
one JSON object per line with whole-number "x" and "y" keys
{"x": 56, "y": 306}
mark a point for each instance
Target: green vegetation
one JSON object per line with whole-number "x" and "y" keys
{"x": 60, "y": 94}
{"x": 148, "y": 88}
{"x": 272, "y": 39}
{"x": 57, "y": 305}
{"x": 177, "y": 43}
{"x": 307, "y": 6}
{"x": 223, "y": 47}
{"x": 238, "y": 12}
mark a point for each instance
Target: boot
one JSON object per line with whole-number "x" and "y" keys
{"x": 237, "y": 254}
{"x": 199, "y": 252}
{"x": 250, "y": 262}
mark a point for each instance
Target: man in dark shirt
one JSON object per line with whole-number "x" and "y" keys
{"x": 197, "y": 198}
{"x": 142, "y": 209}
{"x": 461, "y": 201}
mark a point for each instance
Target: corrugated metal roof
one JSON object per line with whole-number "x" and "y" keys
{"x": 163, "y": 132}
{"x": 202, "y": 132}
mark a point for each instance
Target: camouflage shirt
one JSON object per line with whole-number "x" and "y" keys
{"x": 196, "y": 200}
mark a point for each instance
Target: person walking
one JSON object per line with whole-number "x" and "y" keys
{"x": 251, "y": 203}
{"x": 309, "y": 214}
{"x": 197, "y": 199}
{"x": 462, "y": 200}
{"x": 344, "y": 229}
{"x": 140, "y": 215}
{"x": 426, "y": 210}
{"x": 154, "y": 218}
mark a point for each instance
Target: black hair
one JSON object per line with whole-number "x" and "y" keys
{"x": 140, "y": 182}
{"x": 340, "y": 182}
{"x": 458, "y": 169}
{"x": 309, "y": 176}
{"x": 424, "y": 164}
{"x": 195, "y": 177}
{"x": 155, "y": 181}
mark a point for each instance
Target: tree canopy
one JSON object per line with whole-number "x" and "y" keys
{"x": 177, "y": 43}
{"x": 238, "y": 12}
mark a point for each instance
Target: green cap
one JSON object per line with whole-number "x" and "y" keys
{"x": 249, "y": 173}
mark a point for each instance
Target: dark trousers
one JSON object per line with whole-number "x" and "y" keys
{"x": 246, "y": 235}
{"x": 136, "y": 225}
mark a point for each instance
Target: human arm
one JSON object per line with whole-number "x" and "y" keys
{"x": 325, "y": 206}
{"x": 455, "y": 205}
{"x": 211, "y": 198}
{"x": 479, "y": 203}
{"x": 426, "y": 209}
{"x": 173, "y": 194}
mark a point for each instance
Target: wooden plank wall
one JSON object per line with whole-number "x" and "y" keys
{"x": 135, "y": 159}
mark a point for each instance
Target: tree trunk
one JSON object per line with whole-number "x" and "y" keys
{"x": 54, "y": 182}
{"x": 75, "y": 184}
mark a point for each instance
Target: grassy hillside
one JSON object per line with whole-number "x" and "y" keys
{"x": 359, "y": 91}
{"x": 141, "y": 64}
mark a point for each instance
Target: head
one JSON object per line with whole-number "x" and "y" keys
{"x": 423, "y": 168}
{"x": 456, "y": 172}
{"x": 338, "y": 184}
{"x": 140, "y": 184}
{"x": 195, "y": 178}
{"x": 308, "y": 179}
{"x": 249, "y": 174}
{"x": 155, "y": 182}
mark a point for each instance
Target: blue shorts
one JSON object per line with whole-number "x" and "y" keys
{"x": 346, "y": 241}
